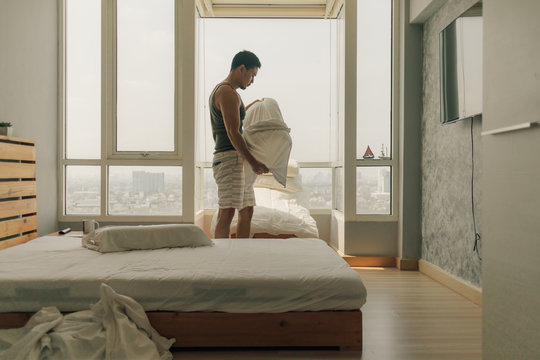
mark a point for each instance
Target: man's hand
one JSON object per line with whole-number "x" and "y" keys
{"x": 258, "y": 167}
{"x": 258, "y": 100}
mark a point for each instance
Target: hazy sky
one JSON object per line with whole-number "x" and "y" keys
{"x": 295, "y": 71}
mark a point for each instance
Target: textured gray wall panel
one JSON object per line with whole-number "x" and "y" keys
{"x": 447, "y": 226}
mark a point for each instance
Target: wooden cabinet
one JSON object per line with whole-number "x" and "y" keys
{"x": 18, "y": 205}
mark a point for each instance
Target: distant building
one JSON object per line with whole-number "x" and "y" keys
{"x": 147, "y": 182}
{"x": 383, "y": 183}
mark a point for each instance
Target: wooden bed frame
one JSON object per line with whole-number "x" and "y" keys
{"x": 18, "y": 224}
{"x": 341, "y": 329}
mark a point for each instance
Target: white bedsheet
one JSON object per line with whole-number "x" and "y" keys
{"x": 235, "y": 275}
{"x": 114, "y": 328}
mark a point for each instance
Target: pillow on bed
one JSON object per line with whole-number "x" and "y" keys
{"x": 121, "y": 238}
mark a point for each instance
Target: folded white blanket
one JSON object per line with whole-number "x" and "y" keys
{"x": 116, "y": 327}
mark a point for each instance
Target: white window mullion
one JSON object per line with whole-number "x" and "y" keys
{"x": 108, "y": 94}
{"x": 395, "y": 106}
{"x": 392, "y": 142}
{"x": 185, "y": 100}
{"x": 61, "y": 108}
{"x": 350, "y": 111}
{"x": 104, "y": 191}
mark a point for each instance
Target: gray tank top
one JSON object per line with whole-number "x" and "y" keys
{"x": 223, "y": 143}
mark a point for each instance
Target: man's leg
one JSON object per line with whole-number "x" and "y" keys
{"x": 223, "y": 225}
{"x": 244, "y": 222}
{"x": 226, "y": 168}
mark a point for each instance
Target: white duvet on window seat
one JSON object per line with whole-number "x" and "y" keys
{"x": 278, "y": 212}
{"x": 293, "y": 219}
{"x": 114, "y": 328}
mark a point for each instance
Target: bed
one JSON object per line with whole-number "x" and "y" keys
{"x": 237, "y": 293}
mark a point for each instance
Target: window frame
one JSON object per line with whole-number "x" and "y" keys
{"x": 109, "y": 88}
{"x": 351, "y": 162}
{"x": 183, "y": 109}
{"x": 185, "y": 93}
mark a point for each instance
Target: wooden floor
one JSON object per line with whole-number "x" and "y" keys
{"x": 407, "y": 316}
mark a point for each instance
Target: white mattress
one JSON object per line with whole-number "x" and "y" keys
{"x": 234, "y": 275}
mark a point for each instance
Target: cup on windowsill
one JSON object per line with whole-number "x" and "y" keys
{"x": 89, "y": 225}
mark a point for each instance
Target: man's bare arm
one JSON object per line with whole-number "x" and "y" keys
{"x": 228, "y": 102}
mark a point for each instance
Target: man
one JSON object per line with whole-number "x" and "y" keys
{"x": 227, "y": 113}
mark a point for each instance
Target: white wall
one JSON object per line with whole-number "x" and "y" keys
{"x": 511, "y": 182}
{"x": 28, "y": 90}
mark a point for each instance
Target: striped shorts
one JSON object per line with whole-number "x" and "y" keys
{"x": 228, "y": 169}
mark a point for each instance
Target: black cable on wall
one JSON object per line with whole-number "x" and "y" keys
{"x": 477, "y": 237}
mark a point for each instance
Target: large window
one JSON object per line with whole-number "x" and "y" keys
{"x": 145, "y": 75}
{"x": 129, "y": 87}
{"x": 83, "y": 79}
{"x": 122, "y": 154}
{"x": 375, "y": 153}
{"x": 297, "y": 59}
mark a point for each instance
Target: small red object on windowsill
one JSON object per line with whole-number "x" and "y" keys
{"x": 368, "y": 154}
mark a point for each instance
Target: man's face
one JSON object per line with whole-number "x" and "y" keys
{"x": 248, "y": 77}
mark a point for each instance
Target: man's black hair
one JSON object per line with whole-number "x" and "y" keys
{"x": 246, "y": 58}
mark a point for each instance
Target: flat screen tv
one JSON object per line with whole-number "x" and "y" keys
{"x": 461, "y": 67}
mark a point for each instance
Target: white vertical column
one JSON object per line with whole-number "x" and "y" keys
{"x": 350, "y": 112}
{"x": 185, "y": 108}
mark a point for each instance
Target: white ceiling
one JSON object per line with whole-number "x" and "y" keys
{"x": 269, "y": 8}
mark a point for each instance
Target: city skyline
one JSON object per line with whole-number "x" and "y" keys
{"x": 136, "y": 193}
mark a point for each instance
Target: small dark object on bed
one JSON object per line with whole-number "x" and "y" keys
{"x": 64, "y": 231}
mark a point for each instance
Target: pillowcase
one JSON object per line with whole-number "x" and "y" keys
{"x": 268, "y": 139}
{"x": 145, "y": 237}
{"x": 294, "y": 184}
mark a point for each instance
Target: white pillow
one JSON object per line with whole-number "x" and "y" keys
{"x": 145, "y": 237}
{"x": 268, "y": 139}
{"x": 294, "y": 184}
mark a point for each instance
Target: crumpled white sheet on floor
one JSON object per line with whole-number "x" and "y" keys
{"x": 116, "y": 327}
